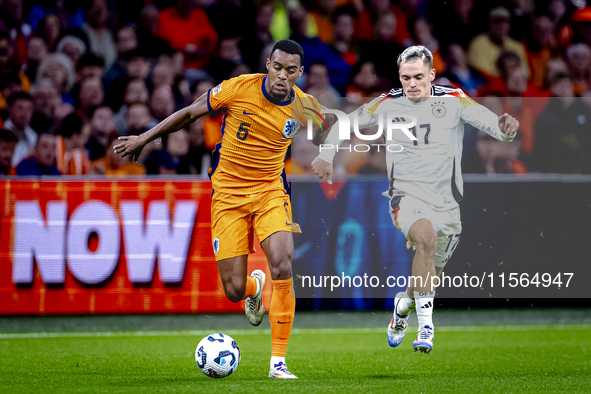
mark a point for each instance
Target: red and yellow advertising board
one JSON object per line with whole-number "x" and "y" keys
{"x": 110, "y": 246}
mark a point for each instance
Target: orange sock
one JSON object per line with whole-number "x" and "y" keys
{"x": 251, "y": 287}
{"x": 281, "y": 316}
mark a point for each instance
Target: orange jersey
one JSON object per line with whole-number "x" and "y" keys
{"x": 256, "y": 133}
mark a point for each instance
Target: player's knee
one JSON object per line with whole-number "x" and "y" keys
{"x": 281, "y": 268}
{"x": 426, "y": 243}
{"x": 234, "y": 292}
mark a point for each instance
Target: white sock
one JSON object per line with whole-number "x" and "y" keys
{"x": 404, "y": 305}
{"x": 424, "y": 304}
{"x": 276, "y": 360}
{"x": 258, "y": 291}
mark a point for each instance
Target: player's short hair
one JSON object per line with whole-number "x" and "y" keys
{"x": 416, "y": 52}
{"x": 289, "y": 46}
{"x": 7, "y": 135}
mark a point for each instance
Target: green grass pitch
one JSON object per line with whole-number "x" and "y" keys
{"x": 465, "y": 359}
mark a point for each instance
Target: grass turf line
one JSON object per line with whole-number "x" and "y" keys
{"x": 485, "y": 359}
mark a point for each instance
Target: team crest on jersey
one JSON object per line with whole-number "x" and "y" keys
{"x": 291, "y": 128}
{"x": 216, "y": 245}
{"x": 438, "y": 109}
{"x": 217, "y": 89}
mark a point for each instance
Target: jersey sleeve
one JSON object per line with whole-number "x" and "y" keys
{"x": 366, "y": 116}
{"x": 481, "y": 117}
{"x": 222, "y": 96}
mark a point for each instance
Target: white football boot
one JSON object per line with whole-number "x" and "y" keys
{"x": 253, "y": 307}
{"x": 398, "y": 325}
{"x": 280, "y": 371}
{"x": 424, "y": 340}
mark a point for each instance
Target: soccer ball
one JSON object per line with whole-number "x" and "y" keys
{"x": 217, "y": 355}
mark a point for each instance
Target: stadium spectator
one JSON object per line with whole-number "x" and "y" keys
{"x": 229, "y": 57}
{"x": 9, "y": 84}
{"x": 115, "y": 165}
{"x": 384, "y": 42}
{"x": 199, "y": 155}
{"x": 36, "y": 51}
{"x": 497, "y": 158}
{"x": 8, "y": 141}
{"x": 174, "y": 159}
{"x": 254, "y": 42}
{"x": 46, "y": 99}
{"x": 71, "y": 156}
{"x": 321, "y": 14}
{"x": 20, "y": 112}
{"x": 365, "y": 82}
{"x": 101, "y": 126}
{"x": 50, "y": 30}
{"x": 344, "y": 31}
{"x": 138, "y": 118}
{"x": 578, "y": 59}
{"x": 317, "y": 51}
{"x": 12, "y": 21}
{"x": 126, "y": 42}
{"x": 506, "y": 64}
{"x": 162, "y": 103}
{"x": 42, "y": 162}
{"x": 524, "y": 106}
{"x": 60, "y": 70}
{"x": 89, "y": 65}
{"x": 462, "y": 16}
{"x": 582, "y": 25}
{"x": 136, "y": 67}
{"x": 188, "y": 29}
{"x": 90, "y": 96}
{"x": 421, "y": 34}
{"x": 67, "y": 19}
{"x": 317, "y": 76}
{"x": 539, "y": 49}
{"x": 561, "y": 131}
{"x": 368, "y": 18}
{"x": 148, "y": 43}
{"x": 177, "y": 145}
{"x": 126, "y": 39}
{"x": 485, "y": 48}
{"x": 61, "y": 111}
{"x": 9, "y": 70}
{"x": 459, "y": 72}
{"x": 97, "y": 34}
{"x": 72, "y": 47}
{"x": 136, "y": 91}
{"x": 162, "y": 75}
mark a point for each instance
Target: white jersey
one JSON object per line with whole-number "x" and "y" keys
{"x": 428, "y": 168}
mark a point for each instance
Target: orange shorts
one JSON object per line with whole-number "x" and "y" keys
{"x": 234, "y": 217}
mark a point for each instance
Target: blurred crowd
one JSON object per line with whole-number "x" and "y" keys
{"x": 77, "y": 74}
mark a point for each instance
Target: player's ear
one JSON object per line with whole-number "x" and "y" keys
{"x": 268, "y": 64}
{"x": 432, "y": 74}
{"x": 301, "y": 71}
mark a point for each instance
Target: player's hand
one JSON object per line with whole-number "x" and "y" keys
{"x": 322, "y": 168}
{"x": 508, "y": 124}
{"x": 130, "y": 145}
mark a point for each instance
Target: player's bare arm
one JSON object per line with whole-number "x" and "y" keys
{"x": 133, "y": 145}
{"x": 320, "y": 134}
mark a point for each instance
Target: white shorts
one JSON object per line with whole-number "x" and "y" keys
{"x": 407, "y": 210}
